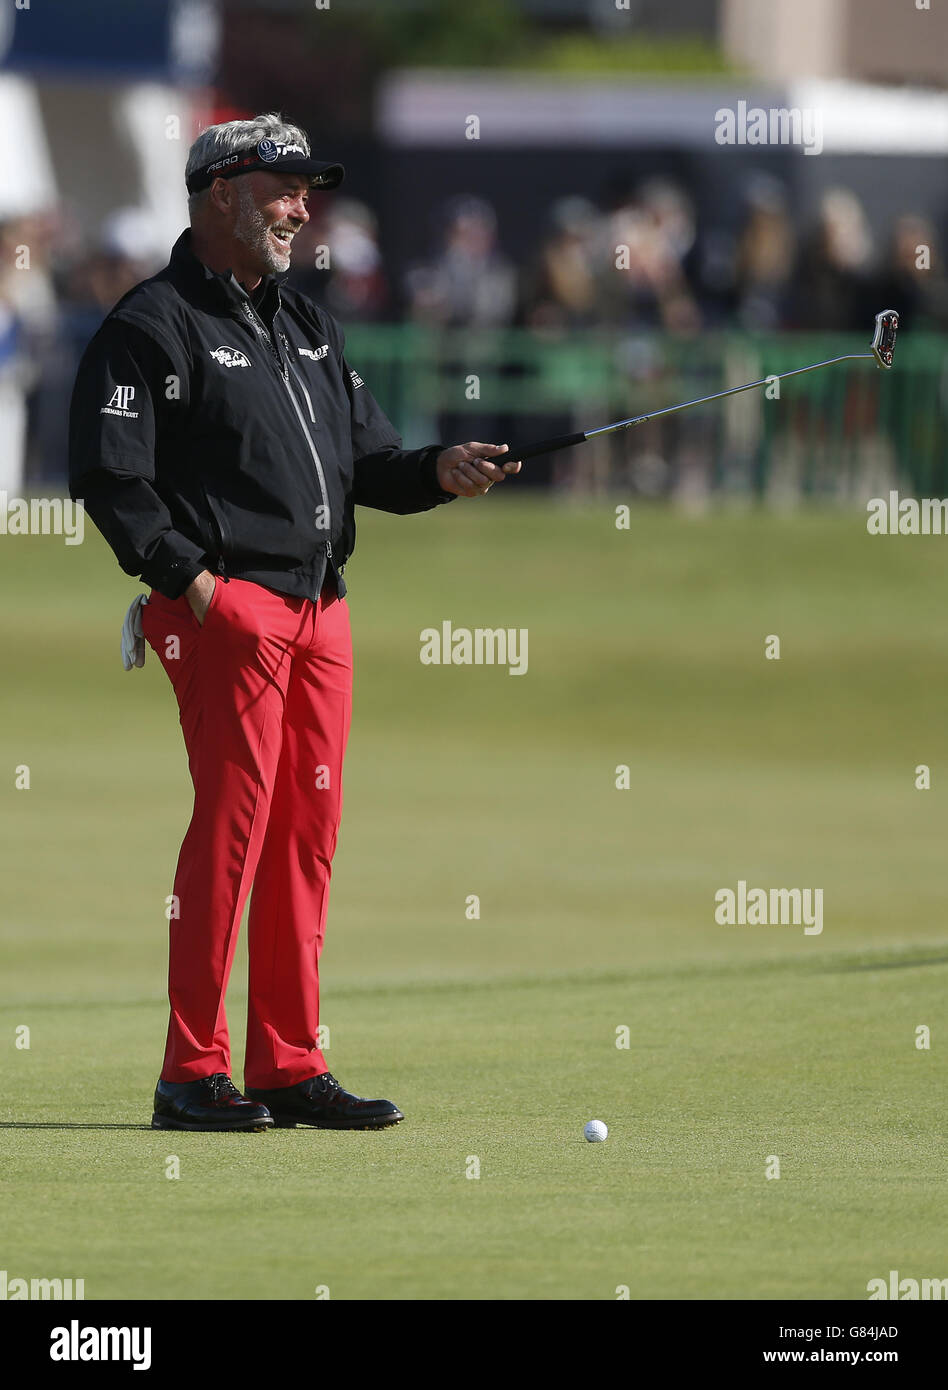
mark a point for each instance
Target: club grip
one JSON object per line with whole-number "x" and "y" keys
{"x": 545, "y": 446}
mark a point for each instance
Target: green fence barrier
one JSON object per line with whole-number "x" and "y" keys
{"x": 849, "y": 430}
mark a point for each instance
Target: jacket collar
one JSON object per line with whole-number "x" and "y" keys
{"x": 222, "y": 286}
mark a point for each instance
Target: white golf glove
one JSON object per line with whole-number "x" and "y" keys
{"x": 133, "y": 641}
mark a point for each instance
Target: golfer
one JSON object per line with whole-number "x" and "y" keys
{"x": 220, "y": 440}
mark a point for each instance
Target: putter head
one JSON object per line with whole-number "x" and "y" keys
{"x": 883, "y": 340}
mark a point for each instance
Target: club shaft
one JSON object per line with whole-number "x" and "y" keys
{"x": 718, "y": 395}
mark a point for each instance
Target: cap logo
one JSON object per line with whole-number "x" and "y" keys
{"x": 261, "y": 156}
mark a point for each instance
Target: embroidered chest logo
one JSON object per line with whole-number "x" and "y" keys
{"x": 317, "y": 354}
{"x": 230, "y": 357}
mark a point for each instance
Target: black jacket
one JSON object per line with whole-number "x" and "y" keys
{"x": 214, "y": 430}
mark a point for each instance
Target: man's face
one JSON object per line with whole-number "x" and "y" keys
{"x": 271, "y": 208}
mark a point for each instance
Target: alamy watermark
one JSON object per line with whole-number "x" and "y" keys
{"x": 907, "y": 1290}
{"x": 14, "y": 1288}
{"x": 480, "y": 646}
{"x": 777, "y": 125}
{"x": 907, "y": 516}
{"x": 42, "y": 516}
{"x": 773, "y": 907}
{"x": 76, "y": 1343}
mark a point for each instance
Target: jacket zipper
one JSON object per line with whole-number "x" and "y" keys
{"x": 309, "y": 401}
{"x": 261, "y": 329}
{"x": 217, "y": 529}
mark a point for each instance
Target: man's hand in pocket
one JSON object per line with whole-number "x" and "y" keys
{"x": 199, "y": 594}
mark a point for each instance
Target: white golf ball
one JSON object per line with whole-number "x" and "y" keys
{"x": 595, "y": 1131}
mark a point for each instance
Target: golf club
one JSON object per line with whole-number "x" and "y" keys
{"x": 881, "y": 351}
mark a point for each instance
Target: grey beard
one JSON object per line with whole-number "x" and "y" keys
{"x": 251, "y": 228}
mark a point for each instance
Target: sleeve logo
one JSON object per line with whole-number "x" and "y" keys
{"x": 119, "y": 402}
{"x": 355, "y": 378}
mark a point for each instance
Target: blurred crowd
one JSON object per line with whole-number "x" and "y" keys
{"x": 54, "y": 292}
{"x": 643, "y": 263}
{"x": 640, "y": 263}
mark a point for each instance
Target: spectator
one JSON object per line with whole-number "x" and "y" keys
{"x": 643, "y": 280}
{"x": 125, "y": 254}
{"x": 833, "y": 285}
{"x": 470, "y": 283}
{"x": 87, "y": 287}
{"x": 764, "y": 259}
{"x": 913, "y": 280}
{"x": 12, "y": 397}
{"x": 357, "y": 288}
{"x": 338, "y": 262}
{"x": 560, "y": 289}
{"x": 28, "y": 340}
{"x": 673, "y": 214}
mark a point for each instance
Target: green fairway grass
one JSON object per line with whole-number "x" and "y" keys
{"x": 497, "y": 1036}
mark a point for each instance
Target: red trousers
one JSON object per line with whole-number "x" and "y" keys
{"x": 264, "y": 689}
